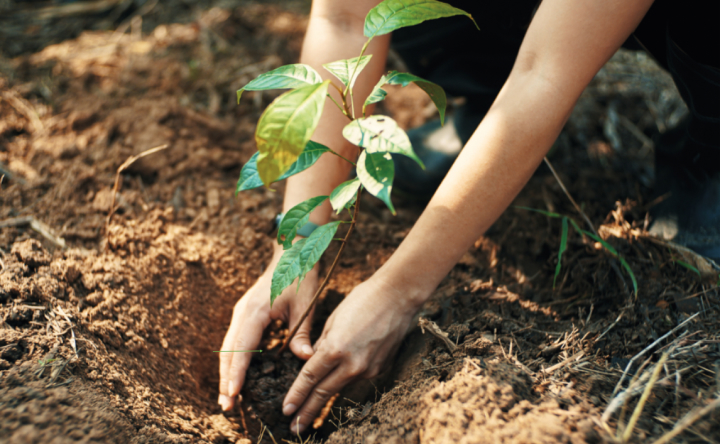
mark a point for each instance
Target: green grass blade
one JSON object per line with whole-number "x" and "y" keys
{"x": 563, "y": 247}
{"x": 543, "y": 212}
{"x": 614, "y": 252}
{"x": 688, "y": 266}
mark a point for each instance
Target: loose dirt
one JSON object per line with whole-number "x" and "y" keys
{"x": 107, "y": 332}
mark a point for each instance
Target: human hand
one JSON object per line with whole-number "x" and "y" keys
{"x": 361, "y": 334}
{"x": 252, "y": 314}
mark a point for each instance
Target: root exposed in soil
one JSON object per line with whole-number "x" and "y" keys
{"x": 110, "y": 339}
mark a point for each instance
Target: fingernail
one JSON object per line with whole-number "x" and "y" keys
{"x": 231, "y": 388}
{"x": 307, "y": 349}
{"x": 224, "y": 402}
{"x": 289, "y": 409}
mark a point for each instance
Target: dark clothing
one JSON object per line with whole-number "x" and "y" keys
{"x": 683, "y": 36}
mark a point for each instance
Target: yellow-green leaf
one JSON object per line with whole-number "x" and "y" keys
{"x": 343, "y": 69}
{"x": 288, "y": 76}
{"x": 286, "y": 127}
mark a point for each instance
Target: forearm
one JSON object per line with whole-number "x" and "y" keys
{"x": 491, "y": 170}
{"x": 566, "y": 44}
{"x": 328, "y": 39}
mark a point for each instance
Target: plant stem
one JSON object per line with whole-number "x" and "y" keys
{"x": 327, "y": 277}
{"x": 569, "y": 196}
{"x": 337, "y": 104}
{"x": 345, "y": 110}
{"x": 362, "y": 51}
{"x": 342, "y": 157}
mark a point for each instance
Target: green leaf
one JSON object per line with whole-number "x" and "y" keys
{"x": 688, "y": 266}
{"x": 286, "y": 127}
{"x": 295, "y": 219}
{"x": 287, "y": 270}
{"x": 288, "y": 76}
{"x": 563, "y": 247}
{"x": 315, "y": 246}
{"x": 249, "y": 177}
{"x": 343, "y": 69}
{"x": 436, "y": 93}
{"x": 380, "y": 134}
{"x": 344, "y": 194}
{"x": 395, "y": 14}
{"x": 543, "y": 212}
{"x": 376, "y": 172}
{"x": 614, "y": 252}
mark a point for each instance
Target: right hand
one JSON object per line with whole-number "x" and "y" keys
{"x": 252, "y": 314}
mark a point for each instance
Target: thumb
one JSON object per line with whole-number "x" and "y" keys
{"x": 300, "y": 344}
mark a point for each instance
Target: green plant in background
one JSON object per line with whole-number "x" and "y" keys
{"x": 284, "y": 130}
{"x": 563, "y": 244}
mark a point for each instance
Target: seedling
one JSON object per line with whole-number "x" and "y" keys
{"x": 284, "y": 147}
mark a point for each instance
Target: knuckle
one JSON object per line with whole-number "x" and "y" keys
{"x": 309, "y": 376}
{"x": 323, "y": 394}
{"x": 356, "y": 369}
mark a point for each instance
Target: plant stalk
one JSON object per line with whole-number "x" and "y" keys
{"x": 327, "y": 277}
{"x": 569, "y": 196}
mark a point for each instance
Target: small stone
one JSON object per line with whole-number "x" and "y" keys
{"x": 267, "y": 367}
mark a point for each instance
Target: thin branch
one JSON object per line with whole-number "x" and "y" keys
{"x": 327, "y": 277}
{"x": 648, "y": 389}
{"x": 650, "y": 347}
{"x": 569, "y": 196}
{"x": 345, "y": 110}
{"x": 688, "y": 420}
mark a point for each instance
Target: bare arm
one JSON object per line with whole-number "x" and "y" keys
{"x": 335, "y": 32}
{"x": 566, "y": 44}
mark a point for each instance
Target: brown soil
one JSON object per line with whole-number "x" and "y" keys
{"x": 107, "y": 333}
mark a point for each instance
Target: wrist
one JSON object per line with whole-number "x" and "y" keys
{"x": 410, "y": 296}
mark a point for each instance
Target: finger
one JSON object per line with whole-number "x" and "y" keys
{"x": 300, "y": 344}
{"x": 317, "y": 367}
{"x": 225, "y": 361}
{"x": 247, "y": 338}
{"x": 319, "y": 397}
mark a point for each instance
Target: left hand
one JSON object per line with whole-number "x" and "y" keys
{"x": 361, "y": 334}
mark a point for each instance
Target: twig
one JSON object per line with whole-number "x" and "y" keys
{"x": 438, "y": 333}
{"x": 688, "y": 420}
{"x": 650, "y": 347}
{"x": 569, "y": 196}
{"x": 327, "y": 277}
{"x": 123, "y": 167}
{"x": 610, "y": 327}
{"x": 638, "y": 409}
{"x": 36, "y": 225}
{"x": 574, "y": 357}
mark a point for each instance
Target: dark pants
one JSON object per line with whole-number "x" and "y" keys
{"x": 682, "y": 35}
